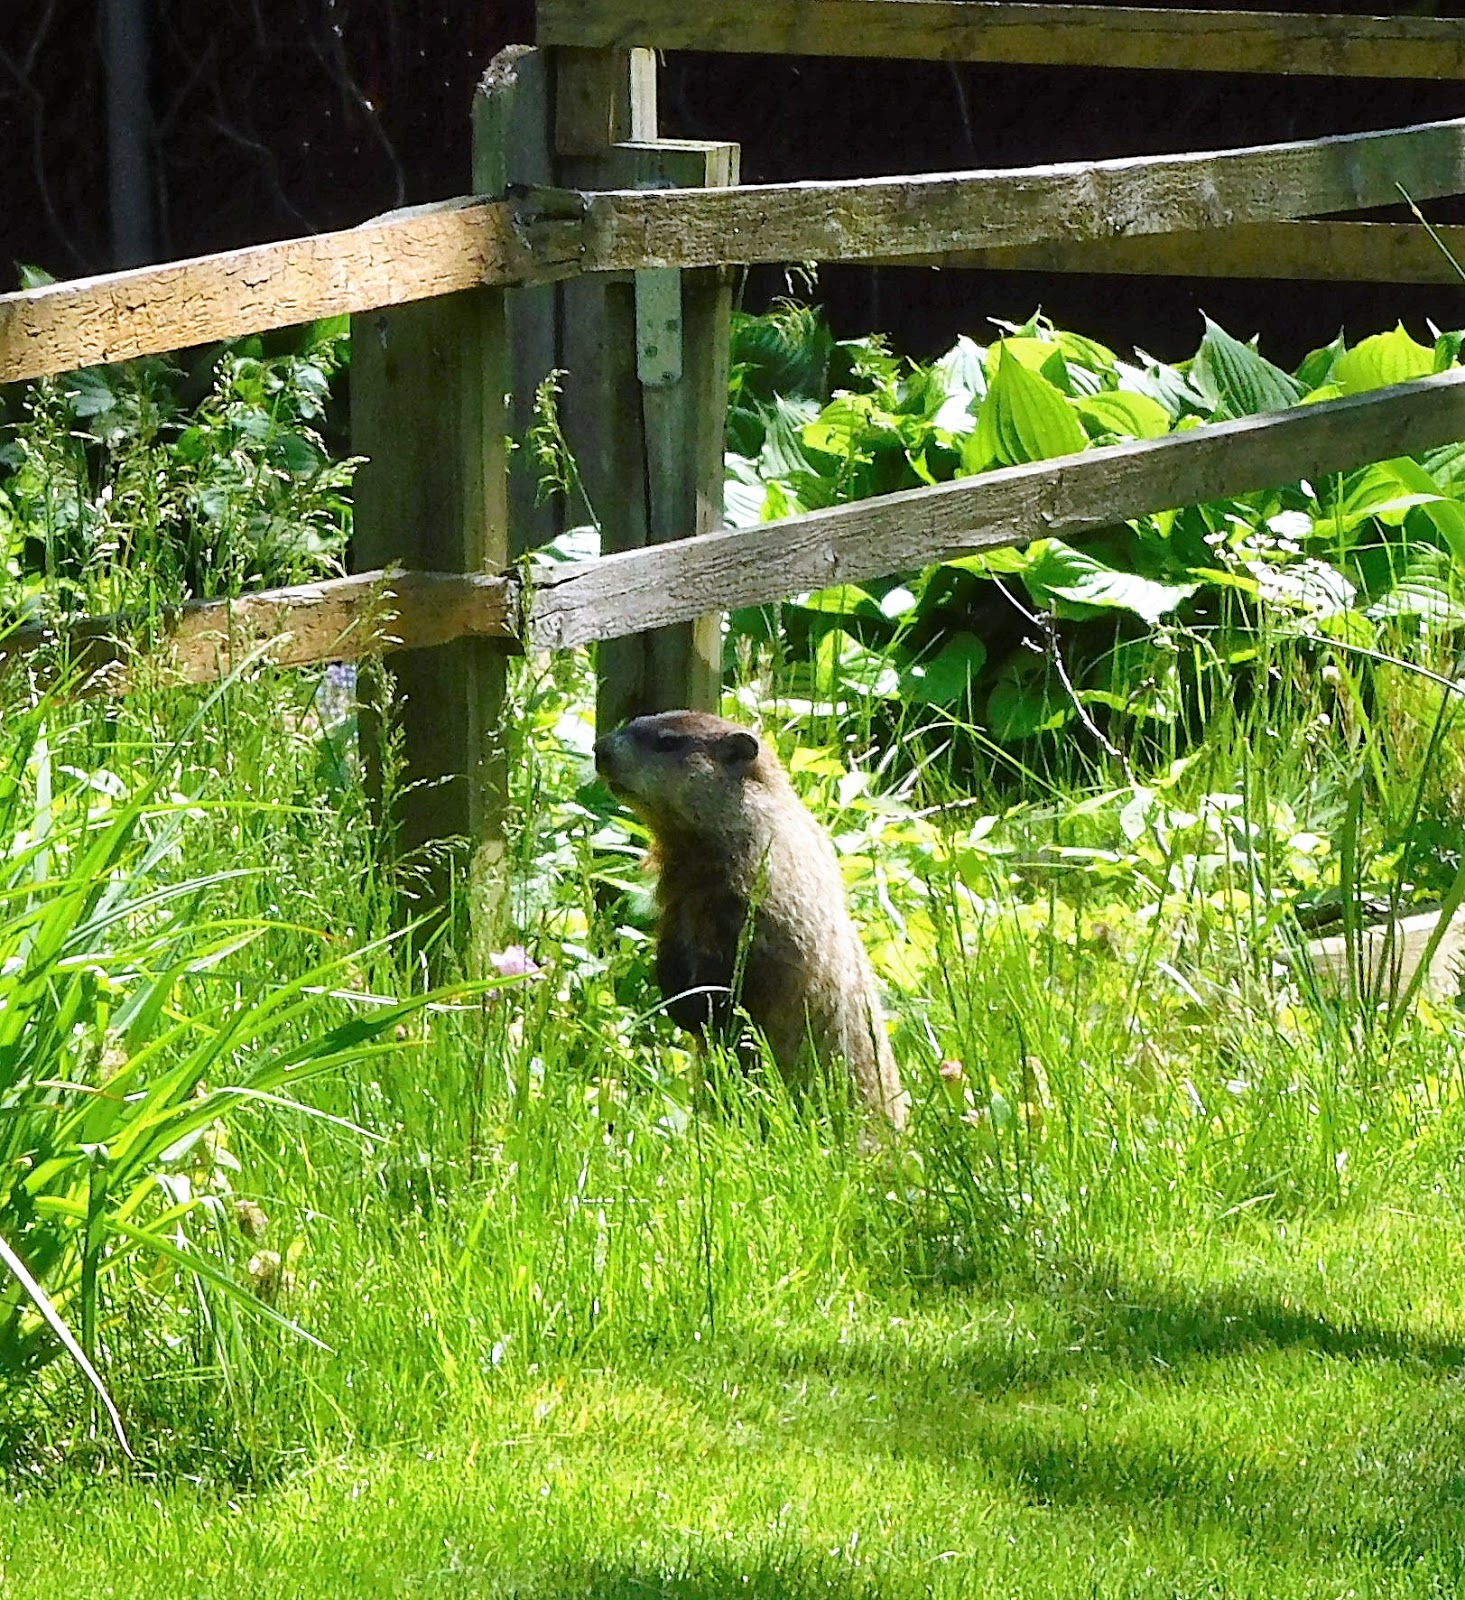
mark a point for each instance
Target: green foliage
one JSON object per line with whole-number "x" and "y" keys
{"x": 1158, "y": 1294}
{"x": 143, "y": 483}
{"x": 1132, "y": 636}
{"x": 138, "y": 1019}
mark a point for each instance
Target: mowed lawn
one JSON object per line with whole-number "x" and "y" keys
{"x": 1274, "y": 1411}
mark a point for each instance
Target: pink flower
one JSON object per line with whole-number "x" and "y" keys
{"x": 514, "y": 962}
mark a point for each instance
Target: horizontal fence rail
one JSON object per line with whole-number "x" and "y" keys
{"x": 611, "y": 596}
{"x": 1037, "y": 35}
{"x": 392, "y": 260}
{"x": 857, "y": 219}
{"x": 549, "y": 234}
{"x": 1331, "y": 252}
{"x": 637, "y": 589}
{"x": 340, "y": 619}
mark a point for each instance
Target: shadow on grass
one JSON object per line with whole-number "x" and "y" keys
{"x": 1101, "y": 1326}
{"x": 1136, "y": 1403}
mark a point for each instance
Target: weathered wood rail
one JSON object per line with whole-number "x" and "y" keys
{"x": 1075, "y": 494}
{"x": 338, "y": 619}
{"x": 1209, "y": 40}
{"x": 1319, "y": 252}
{"x": 546, "y": 235}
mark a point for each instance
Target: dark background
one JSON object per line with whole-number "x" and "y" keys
{"x": 269, "y": 118}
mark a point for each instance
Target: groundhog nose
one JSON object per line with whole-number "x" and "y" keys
{"x": 604, "y": 749}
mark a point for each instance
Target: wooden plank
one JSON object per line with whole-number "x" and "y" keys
{"x": 1321, "y": 252}
{"x": 859, "y": 219}
{"x": 598, "y": 100}
{"x": 650, "y": 453}
{"x": 513, "y": 112}
{"x": 549, "y": 235}
{"x": 1042, "y": 35}
{"x": 392, "y": 260}
{"x": 684, "y": 421}
{"x": 592, "y": 101}
{"x": 428, "y": 387}
{"x": 622, "y": 593}
{"x": 1386, "y": 955}
{"x": 339, "y": 619}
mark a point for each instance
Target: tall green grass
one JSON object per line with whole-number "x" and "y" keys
{"x": 1157, "y": 1292}
{"x": 1103, "y": 1041}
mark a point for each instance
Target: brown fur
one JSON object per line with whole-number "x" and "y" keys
{"x": 752, "y": 901}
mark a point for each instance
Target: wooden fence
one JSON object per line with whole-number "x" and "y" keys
{"x": 592, "y": 245}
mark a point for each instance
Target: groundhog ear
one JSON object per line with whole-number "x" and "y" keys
{"x": 737, "y": 749}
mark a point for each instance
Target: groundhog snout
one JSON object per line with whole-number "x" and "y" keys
{"x": 610, "y": 758}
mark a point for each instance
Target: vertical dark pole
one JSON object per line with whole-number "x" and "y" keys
{"x": 129, "y": 130}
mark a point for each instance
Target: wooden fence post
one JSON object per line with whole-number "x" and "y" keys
{"x": 428, "y": 387}
{"x": 646, "y": 360}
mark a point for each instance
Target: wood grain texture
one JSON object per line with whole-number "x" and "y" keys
{"x": 512, "y": 114}
{"x": 623, "y": 593}
{"x": 860, "y": 219}
{"x": 340, "y": 619}
{"x": 1044, "y": 35}
{"x": 600, "y": 408}
{"x": 684, "y": 425}
{"x": 428, "y": 410}
{"x": 551, "y": 234}
{"x": 1319, "y": 252}
{"x": 393, "y": 260}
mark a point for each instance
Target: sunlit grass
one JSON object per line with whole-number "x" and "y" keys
{"x": 1160, "y": 1296}
{"x": 1272, "y": 1414}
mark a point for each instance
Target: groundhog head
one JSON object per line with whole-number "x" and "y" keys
{"x": 684, "y": 772}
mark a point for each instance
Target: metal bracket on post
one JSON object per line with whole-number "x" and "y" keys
{"x": 658, "y": 327}
{"x": 659, "y": 330}
{"x": 646, "y": 362}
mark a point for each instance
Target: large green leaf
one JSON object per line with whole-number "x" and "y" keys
{"x": 1130, "y": 416}
{"x": 743, "y": 492}
{"x": 1059, "y": 572}
{"x": 843, "y": 666}
{"x": 843, "y": 599}
{"x": 1386, "y": 491}
{"x": 843, "y": 428}
{"x": 1139, "y": 679}
{"x": 1089, "y": 356}
{"x": 1043, "y": 356}
{"x": 1164, "y": 384}
{"x": 784, "y": 451}
{"x": 784, "y": 352}
{"x": 946, "y": 678}
{"x": 1023, "y": 418}
{"x": 1385, "y": 359}
{"x": 1445, "y": 515}
{"x": 963, "y": 370}
{"x": 1237, "y": 380}
{"x": 1024, "y": 701}
{"x": 1423, "y": 590}
{"x": 1316, "y": 370}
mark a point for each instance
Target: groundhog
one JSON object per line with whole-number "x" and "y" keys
{"x": 753, "y": 909}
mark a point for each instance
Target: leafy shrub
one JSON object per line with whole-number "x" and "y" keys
{"x": 1147, "y": 624}
{"x": 147, "y": 483}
